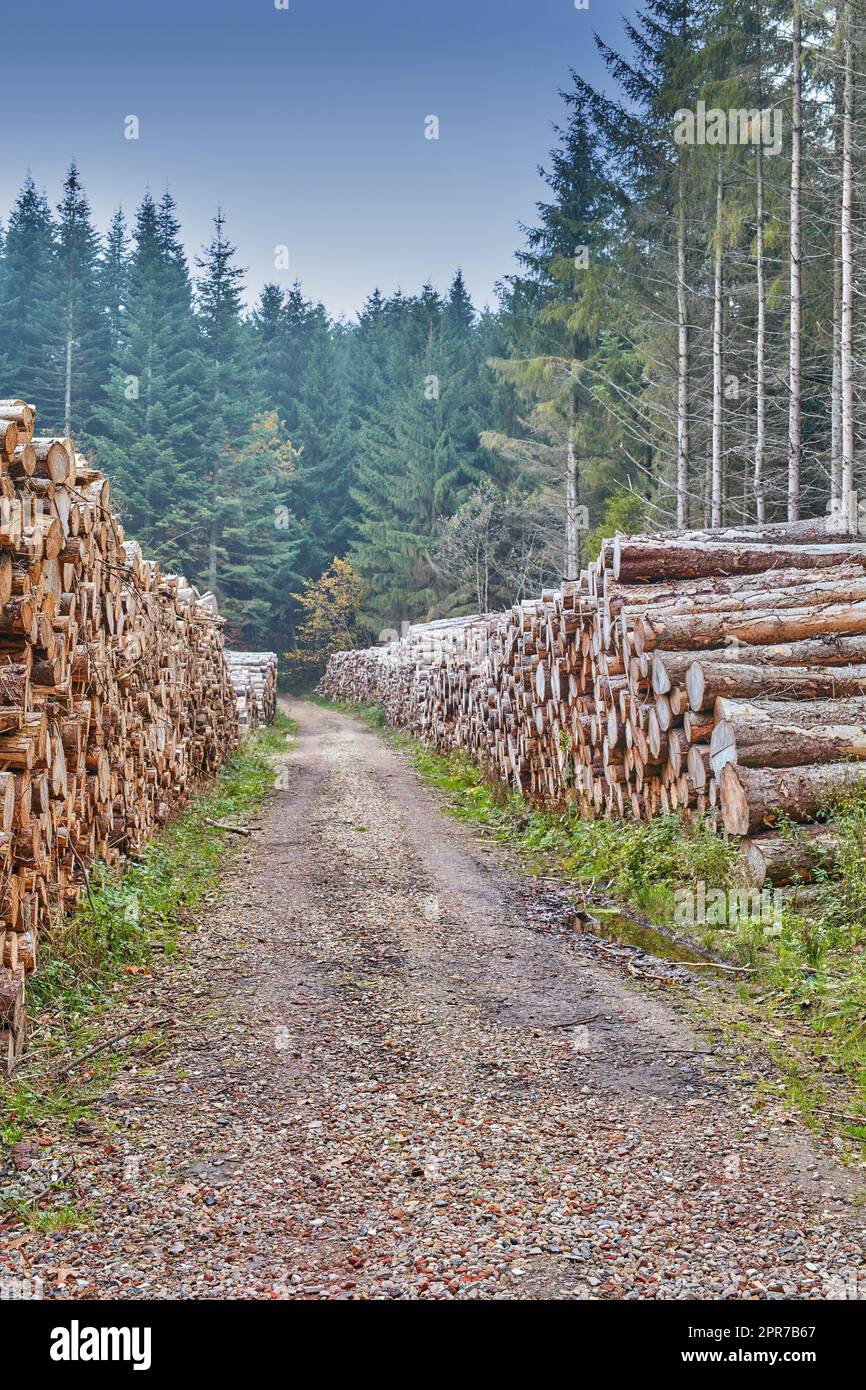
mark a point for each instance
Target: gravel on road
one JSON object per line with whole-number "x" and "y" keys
{"x": 389, "y": 1078}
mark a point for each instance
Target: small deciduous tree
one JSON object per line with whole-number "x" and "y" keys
{"x": 331, "y": 619}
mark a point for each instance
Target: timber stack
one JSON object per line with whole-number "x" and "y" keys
{"x": 254, "y": 677}
{"x": 115, "y": 696}
{"x": 718, "y": 672}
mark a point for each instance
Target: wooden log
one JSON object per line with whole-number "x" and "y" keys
{"x": 636, "y": 560}
{"x": 830, "y": 649}
{"x": 782, "y": 860}
{"x": 693, "y": 631}
{"x": 812, "y": 531}
{"x": 752, "y": 798}
{"x": 751, "y": 738}
{"x": 52, "y": 459}
{"x": 707, "y": 681}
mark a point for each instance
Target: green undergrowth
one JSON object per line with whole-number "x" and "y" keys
{"x": 126, "y": 923}
{"x": 802, "y": 953}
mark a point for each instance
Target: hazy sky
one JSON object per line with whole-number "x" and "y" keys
{"x": 307, "y": 125}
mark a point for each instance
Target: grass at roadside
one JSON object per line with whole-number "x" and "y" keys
{"x": 803, "y": 991}
{"x": 123, "y": 927}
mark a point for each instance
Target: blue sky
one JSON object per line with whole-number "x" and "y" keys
{"x": 307, "y": 125}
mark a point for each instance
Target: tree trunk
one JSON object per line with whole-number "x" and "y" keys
{"x": 823, "y": 530}
{"x": 847, "y": 236}
{"x": 781, "y": 860}
{"x": 718, "y": 384}
{"x": 682, "y": 357}
{"x": 761, "y": 344}
{"x": 682, "y": 631}
{"x": 752, "y": 798}
{"x": 67, "y": 389}
{"x": 706, "y": 681}
{"x": 794, "y": 381}
{"x": 744, "y": 598}
{"x": 686, "y": 559}
{"x": 781, "y": 734}
{"x": 837, "y": 511}
{"x": 669, "y": 668}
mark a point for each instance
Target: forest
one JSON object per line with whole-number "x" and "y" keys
{"x": 680, "y": 345}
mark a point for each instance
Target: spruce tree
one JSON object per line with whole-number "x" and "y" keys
{"x": 322, "y": 488}
{"x": 252, "y": 536}
{"x": 31, "y": 339}
{"x": 113, "y": 272}
{"x": 85, "y": 331}
{"x": 151, "y": 423}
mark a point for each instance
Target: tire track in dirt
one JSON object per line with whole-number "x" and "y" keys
{"x": 383, "y": 1085}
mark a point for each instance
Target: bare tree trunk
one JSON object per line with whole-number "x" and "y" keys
{"x": 761, "y": 346}
{"x": 682, "y": 360}
{"x": 67, "y": 387}
{"x": 572, "y": 545}
{"x": 794, "y": 381}
{"x": 214, "y": 527}
{"x": 836, "y": 379}
{"x": 846, "y": 351}
{"x": 718, "y": 384}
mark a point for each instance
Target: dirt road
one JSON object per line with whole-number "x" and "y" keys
{"x": 390, "y": 1077}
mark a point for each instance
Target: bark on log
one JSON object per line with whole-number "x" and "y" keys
{"x": 751, "y": 798}
{"x": 831, "y": 649}
{"x": 690, "y": 631}
{"x": 636, "y": 560}
{"x": 751, "y": 738}
{"x": 707, "y": 681}
{"x": 782, "y": 860}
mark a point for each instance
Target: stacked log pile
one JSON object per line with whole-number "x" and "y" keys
{"x": 719, "y": 672}
{"x": 254, "y": 677}
{"x": 115, "y": 696}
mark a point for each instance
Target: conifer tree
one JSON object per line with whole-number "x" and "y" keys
{"x": 85, "y": 330}
{"x": 150, "y": 424}
{"x": 557, "y": 312}
{"x": 30, "y": 342}
{"x": 113, "y": 272}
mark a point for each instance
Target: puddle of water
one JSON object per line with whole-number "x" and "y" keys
{"x": 618, "y": 926}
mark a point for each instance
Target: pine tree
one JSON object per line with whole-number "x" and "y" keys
{"x": 253, "y": 537}
{"x": 557, "y": 312}
{"x": 86, "y": 333}
{"x": 30, "y": 343}
{"x": 420, "y": 453}
{"x": 269, "y": 324}
{"x": 113, "y": 274}
{"x": 258, "y": 537}
{"x": 322, "y": 489}
{"x": 151, "y": 423}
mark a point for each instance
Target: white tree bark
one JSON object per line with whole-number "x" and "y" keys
{"x": 794, "y": 361}
{"x": 761, "y": 345}
{"x": 836, "y": 378}
{"x": 572, "y": 538}
{"x": 718, "y": 384}
{"x": 846, "y": 349}
{"x": 67, "y": 385}
{"x": 682, "y": 359}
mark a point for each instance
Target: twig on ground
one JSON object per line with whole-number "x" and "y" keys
{"x": 224, "y": 825}
{"x": 141, "y": 1027}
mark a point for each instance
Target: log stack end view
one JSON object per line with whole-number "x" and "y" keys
{"x": 115, "y": 694}
{"x": 254, "y": 678}
{"x": 717, "y": 671}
